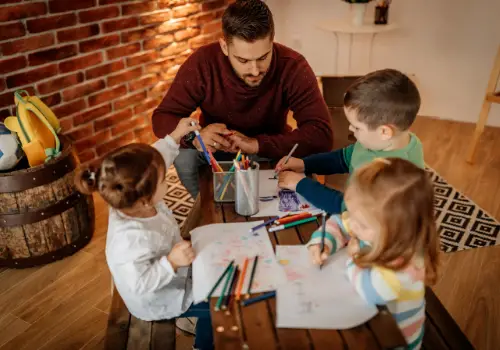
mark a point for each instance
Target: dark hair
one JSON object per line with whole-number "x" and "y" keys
{"x": 384, "y": 97}
{"x": 249, "y": 20}
{"x": 124, "y": 176}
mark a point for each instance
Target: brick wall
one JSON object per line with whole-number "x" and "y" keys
{"x": 101, "y": 65}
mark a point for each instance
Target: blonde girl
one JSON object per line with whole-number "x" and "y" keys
{"x": 390, "y": 234}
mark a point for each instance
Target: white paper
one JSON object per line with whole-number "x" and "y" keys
{"x": 269, "y": 187}
{"x": 217, "y": 244}
{"x": 314, "y": 298}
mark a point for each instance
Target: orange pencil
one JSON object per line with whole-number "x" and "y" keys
{"x": 241, "y": 280}
{"x": 292, "y": 218}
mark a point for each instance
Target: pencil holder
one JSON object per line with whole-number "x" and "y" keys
{"x": 224, "y": 184}
{"x": 247, "y": 191}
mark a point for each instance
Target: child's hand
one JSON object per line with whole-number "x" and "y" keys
{"x": 353, "y": 247}
{"x": 182, "y": 254}
{"x": 289, "y": 180}
{"x": 293, "y": 164}
{"x": 183, "y": 128}
{"x": 316, "y": 257}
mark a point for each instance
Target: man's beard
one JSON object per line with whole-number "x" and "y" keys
{"x": 254, "y": 83}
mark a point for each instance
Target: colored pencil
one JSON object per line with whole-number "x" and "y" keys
{"x": 228, "y": 177}
{"x": 219, "y": 280}
{"x": 224, "y": 289}
{"x": 232, "y": 289}
{"x": 226, "y": 295}
{"x": 241, "y": 279}
{"x": 202, "y": 144}
{"x": 252, "y": 276}
{"x": 291, "y": 218}
{"x": 240, "y": 326}
{"x": 291, "y": 224}
{"x": 288, "y": 157}
{"x": 322, "y": 246}
{"x": 265, "y": 223}
{"x": 262, "y": 297}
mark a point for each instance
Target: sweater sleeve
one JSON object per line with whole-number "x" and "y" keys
{"x": 327, "y": 163}
{"x": 335, "y": 237}
{"x": 314, "y": 131}
{"x": 322, "y": 197}
{"x": 168, "y": 148}
{"x": 376, "y": 285}
{"x": 185, "y": 94}
{"x": 141, "y": 270}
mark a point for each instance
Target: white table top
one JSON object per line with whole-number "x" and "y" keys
{"x": 346, "y": 26}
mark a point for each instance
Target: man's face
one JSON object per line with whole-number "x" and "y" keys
{"x": 250, "y": 61}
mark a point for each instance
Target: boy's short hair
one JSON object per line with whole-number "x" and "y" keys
{"x": 384, "y": 97}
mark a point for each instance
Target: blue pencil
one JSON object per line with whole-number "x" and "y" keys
{"x": 270, "y": 221}
{"x": 262, "y": 297}
{"x": 205, "y": 152}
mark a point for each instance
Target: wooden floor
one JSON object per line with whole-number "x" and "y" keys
{"x": 64, "y": 305}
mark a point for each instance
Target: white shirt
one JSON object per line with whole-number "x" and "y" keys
{"x": 136, "y": 250}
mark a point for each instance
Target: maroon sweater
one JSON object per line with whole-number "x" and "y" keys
{"x": 207, "y": 80}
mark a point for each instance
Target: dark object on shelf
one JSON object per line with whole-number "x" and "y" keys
{"x": 381, "y": 14}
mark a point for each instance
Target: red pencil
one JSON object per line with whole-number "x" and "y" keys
{"x": 292, "y": 218}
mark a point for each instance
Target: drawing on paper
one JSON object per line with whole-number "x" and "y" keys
{"x": 217, "y": 245}
{"x": 288, "y": 201}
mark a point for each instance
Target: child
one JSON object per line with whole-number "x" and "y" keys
{"x": 148, "y": 259}
{"x": 391, "y": 237}
{"x": 380, "y": 107}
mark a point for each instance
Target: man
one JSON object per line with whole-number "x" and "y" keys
{"x": 245, "y": 85}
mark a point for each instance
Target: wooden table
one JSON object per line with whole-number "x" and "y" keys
{"x": 259, "y": 319}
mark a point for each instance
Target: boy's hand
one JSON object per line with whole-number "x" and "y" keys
{"x": 289, "y": 180}
{"x": 316, "y": 257}
{"x": 213, "y": 138}
{"x": 183, "y": 128}
{"x": 353, "y": 247}
{"x": 293, "y": 164}
{"x": 182, "y": 254}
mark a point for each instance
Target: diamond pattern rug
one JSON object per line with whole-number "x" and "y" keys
{"x": 462, "y": 224}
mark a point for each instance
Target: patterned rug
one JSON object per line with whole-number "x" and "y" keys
{"x": 462, "y": 224}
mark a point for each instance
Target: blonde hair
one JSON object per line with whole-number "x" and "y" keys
{"x": 124, "y": 176}
{"x": 400, "y": 197}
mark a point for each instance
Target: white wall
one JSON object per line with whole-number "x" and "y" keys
{"x": 448, "y": 44}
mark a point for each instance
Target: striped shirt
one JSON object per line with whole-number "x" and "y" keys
{"x": 402, "y": 291}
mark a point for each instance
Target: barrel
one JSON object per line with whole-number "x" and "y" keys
{"x": 43, "y": 217}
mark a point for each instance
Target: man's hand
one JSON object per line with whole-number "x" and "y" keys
{"x": 213, "y": 138}
{"x": 248, "y": 145}
{"x": 289, "y": 180}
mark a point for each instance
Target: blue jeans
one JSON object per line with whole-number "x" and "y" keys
{"x": 189, "y": 160}
{"x": 204, "y": 337}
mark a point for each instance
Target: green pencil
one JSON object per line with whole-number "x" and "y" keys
{"x": 291, "y": 224}
{"x": 224, "y": 289}
{"x": 219, "y": 280}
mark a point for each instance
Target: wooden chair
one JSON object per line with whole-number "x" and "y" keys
{"x": 124, "y": 331}
{"x": 492, "y": 96}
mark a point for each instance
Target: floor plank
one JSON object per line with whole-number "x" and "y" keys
{"x": 61, "y": 317}
{"x": 80, "y": 332}
{"x": 42, "y": 278}
{"x": 10, "y": 327}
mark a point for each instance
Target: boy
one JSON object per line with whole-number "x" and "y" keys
{"x": 380, "y": 107}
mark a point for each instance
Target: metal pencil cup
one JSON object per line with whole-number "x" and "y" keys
{"x": 224, "y": 185}
{"x": 247, "y": 191}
